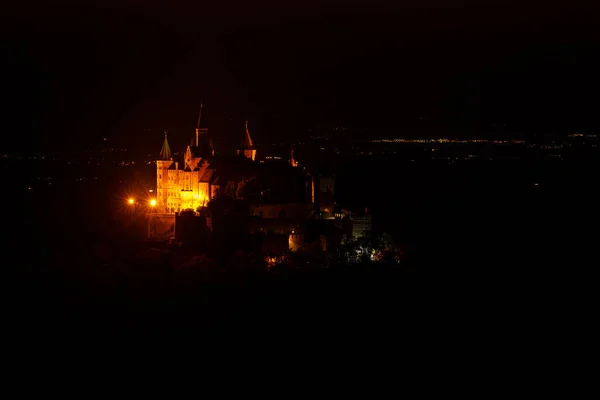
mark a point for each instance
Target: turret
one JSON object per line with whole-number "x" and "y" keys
{"x": 162, "y": 176}
{"x": 247, "y": 148}
{"x": 292, "y": 160}
{"x": 165, "y": 151}
{"x": 203, "y": 145}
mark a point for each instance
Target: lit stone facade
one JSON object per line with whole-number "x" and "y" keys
{"x": 191, "y": 184}
{"x": 188, "y": 188}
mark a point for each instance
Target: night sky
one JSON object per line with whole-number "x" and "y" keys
{"x": 75, "y": 72}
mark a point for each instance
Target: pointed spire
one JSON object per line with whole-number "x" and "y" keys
{"x": 247, "y": 148}
{"x": 292, "y": 160}
{"x": 200, "y": 124}
{"x": 165, "y": 152}
{"x": 247, "y": 143}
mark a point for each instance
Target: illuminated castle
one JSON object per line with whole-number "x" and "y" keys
{"x": 192, "y": 183}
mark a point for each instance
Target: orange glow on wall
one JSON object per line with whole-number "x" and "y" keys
{"x": 189, "y": 188}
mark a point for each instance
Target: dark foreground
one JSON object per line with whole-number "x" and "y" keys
{"x": 491, "y": 252}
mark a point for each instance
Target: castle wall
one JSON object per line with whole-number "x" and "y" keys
{"x": 360, "y": 225}
{"x": 327, "y": 183}
{"x": 214, "y": 191}
{"x": 296, "y": 241}
{"x": 325, "y": 195}
{"x": 196, "y": 196}
{"x": 162, "y": 184}
{"x": 178, "y": 190}
{"x": 183, "y": 189}
{"x": 173, "y": 196}
{"x": 248, "y": 153}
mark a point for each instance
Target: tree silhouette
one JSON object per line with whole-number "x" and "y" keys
{"x": 241, "y": 186}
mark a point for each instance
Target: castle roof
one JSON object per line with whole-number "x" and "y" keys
{"x": 201, "y": 120}
{"x": 165, "y": 152}
{"x": 247, "y": 142}
{"x": 208, "y": 175}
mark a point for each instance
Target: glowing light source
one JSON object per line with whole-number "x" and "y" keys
{"x": 153, "y": 202}
{"x": 131, "y": 201}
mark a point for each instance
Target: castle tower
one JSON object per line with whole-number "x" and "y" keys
{"x": 187, "y": 158}
{"x": 203, "y": 145}
{"x": 292, "y": 160}
{"x": 247, "y": 148}
{"x": 162, "y": 176}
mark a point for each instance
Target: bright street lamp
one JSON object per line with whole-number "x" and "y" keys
{"x": 131, "y": 201}
{"x": 153, "y": 203}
